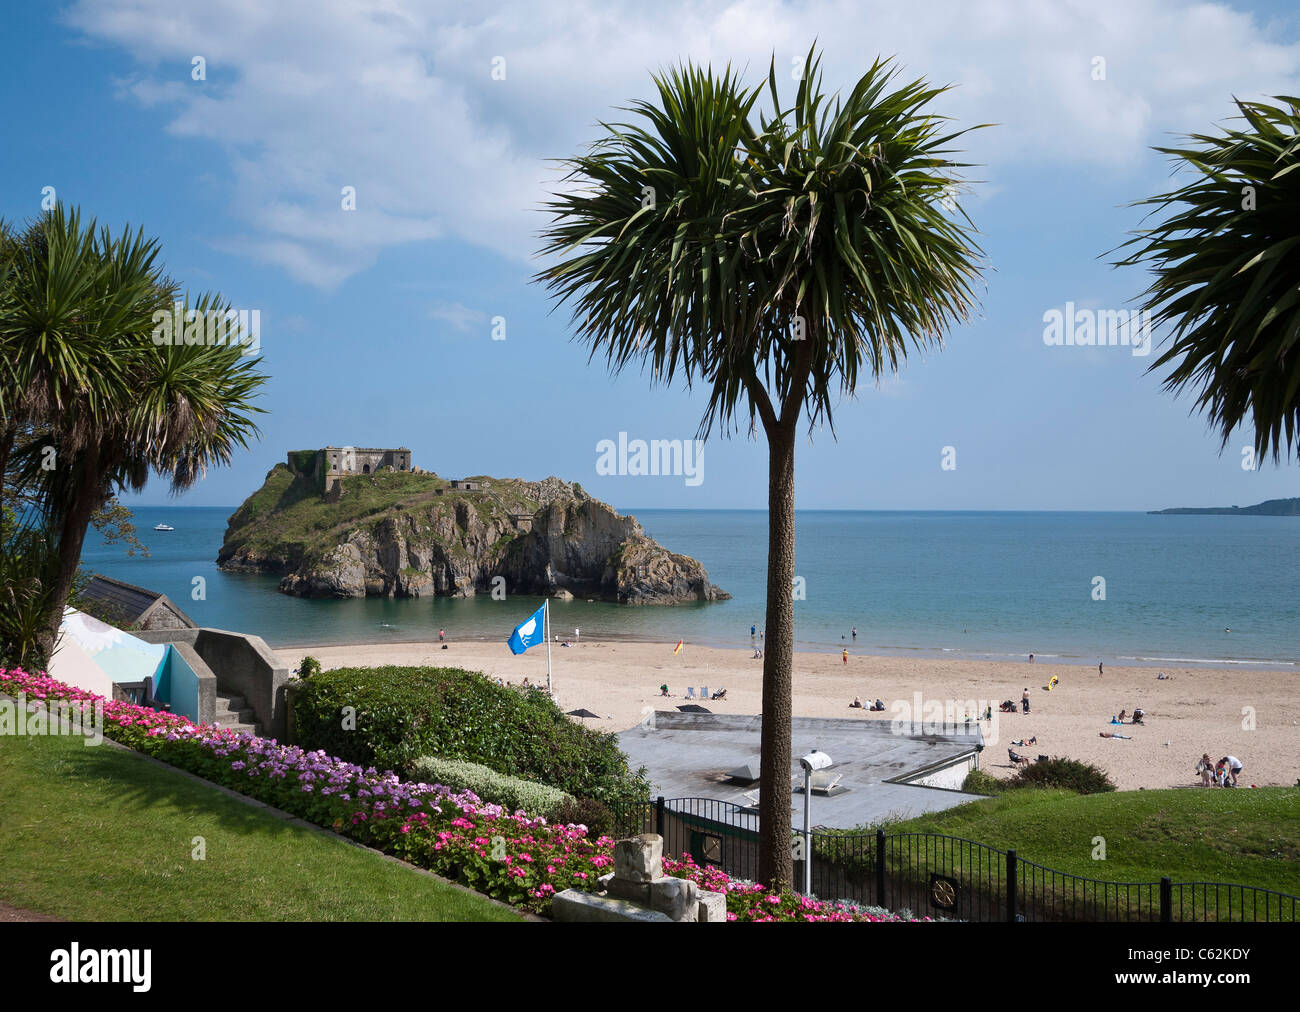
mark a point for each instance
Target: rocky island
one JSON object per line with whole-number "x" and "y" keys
{"x": 346, "y": 522}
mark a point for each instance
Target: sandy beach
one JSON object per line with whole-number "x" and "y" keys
{"x": 1192, "y": 711}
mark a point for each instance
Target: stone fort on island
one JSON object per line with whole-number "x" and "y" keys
{"x": 330, "y": 463}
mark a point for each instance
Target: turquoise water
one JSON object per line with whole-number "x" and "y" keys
{"x": 983, "y": 584}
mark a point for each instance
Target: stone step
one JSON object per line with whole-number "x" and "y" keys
{"x": 232, "y": 703}
{"x": 238, "y": 726}
{"x": 227, "y": 718}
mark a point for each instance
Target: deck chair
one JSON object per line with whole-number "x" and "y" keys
{"x": 1017, "y": 760}
{"x": 720, "y": 694}
{"x": 751, "y": 797}
{"x": 704, "y": 692}
{"x": 824, "y": 783}
{"x": 690, "y": 692}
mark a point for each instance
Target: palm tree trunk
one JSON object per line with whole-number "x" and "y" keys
{"x": 7, "y": 438}
{"x": 72, "y": 536}
{"x": 775, "y": 869}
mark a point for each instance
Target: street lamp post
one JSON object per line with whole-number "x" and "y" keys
{"x": 814, "y": 760}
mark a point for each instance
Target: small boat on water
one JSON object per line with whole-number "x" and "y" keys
{"x": 163, "y": 527}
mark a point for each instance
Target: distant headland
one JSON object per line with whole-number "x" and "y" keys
{"x": 1268, "y": 508}
{"x": 345, "y": 521}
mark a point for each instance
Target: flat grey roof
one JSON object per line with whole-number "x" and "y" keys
{"x": 688, "y": 755}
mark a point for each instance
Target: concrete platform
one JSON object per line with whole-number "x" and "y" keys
{"x": 688, "y": 755}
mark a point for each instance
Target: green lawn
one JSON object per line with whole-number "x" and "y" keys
{"x": 1246, "y": 837}
{"x": 95, "y": 833}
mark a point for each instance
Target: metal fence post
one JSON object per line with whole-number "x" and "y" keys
{"x": 1011, "y": 885}
{"x": 659, "y": 815}
{"x": 1166, "y": 900}
{"x": 880, "y": 867}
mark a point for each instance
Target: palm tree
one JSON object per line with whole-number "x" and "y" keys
{"x": 79, "y": 316}
{"x": 1227, "y": 275}
{"x": 773, "y": 263}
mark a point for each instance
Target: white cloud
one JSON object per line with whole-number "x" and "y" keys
{"x": 398, "y": 100}
{"x": 460, "y": 317}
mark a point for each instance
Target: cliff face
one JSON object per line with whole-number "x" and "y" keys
{"x": 411, "y": 535}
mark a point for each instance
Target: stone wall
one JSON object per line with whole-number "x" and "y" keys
{"x": 242, "y": 664}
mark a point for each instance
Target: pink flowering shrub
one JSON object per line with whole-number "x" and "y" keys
{"x": 750, "y": 901}
{"x": 508, "y": 856}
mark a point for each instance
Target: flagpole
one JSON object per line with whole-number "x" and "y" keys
{"x": 546, "y": 614}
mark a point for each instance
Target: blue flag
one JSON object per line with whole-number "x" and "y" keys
{"x": 529, "y": 633}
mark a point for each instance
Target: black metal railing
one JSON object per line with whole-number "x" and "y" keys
{"x": 940, "y": 876}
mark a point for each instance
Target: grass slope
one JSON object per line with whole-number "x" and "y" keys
{"x": 1245, "y": 837}
{"x": 95, "y": 833}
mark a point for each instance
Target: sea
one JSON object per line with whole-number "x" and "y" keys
{"x": 1068, "y": 587}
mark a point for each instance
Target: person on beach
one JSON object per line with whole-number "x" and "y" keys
{"x": 1031, "y": 658}
{"x": 1024, "y": 701}
{"x": 855, "y": 633}
{"x": 1206, "y": 769}
{"x": 1234, "y": 767}
{"x": 846, "y": 655}
{"x": 1122, "y": 715}
{"x": 663, "y": 689}
{"x": 442, "y": 635}
{"x": 1099, "y": 669}
{"x": 1138, "y": 714}
{"x": 856, "y": 704}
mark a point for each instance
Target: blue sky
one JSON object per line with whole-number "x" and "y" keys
{"x": 376, "y": 322}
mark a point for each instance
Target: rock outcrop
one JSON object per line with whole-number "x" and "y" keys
{"x": 411, "y": 535}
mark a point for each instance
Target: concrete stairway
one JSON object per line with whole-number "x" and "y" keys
{"x": 233, "y": 712}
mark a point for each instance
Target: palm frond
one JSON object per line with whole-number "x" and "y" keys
{"x": 1226, "y": 265}
{"x": 775, "y": 257}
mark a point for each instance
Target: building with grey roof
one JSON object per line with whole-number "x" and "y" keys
{"x": 130, "y": 607}
{"x": 880, "y": 768}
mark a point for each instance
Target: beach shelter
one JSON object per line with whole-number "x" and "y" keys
{"x": 93, "y": 655}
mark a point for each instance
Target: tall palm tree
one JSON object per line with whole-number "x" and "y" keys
{"x": 1226, "y": 261}
{"x": 79, "y": 309}
{"x": 773, "y": 262}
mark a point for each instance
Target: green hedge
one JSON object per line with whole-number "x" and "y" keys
{"x": 496, "y": 788}
{"x": 1065, "y": 774}
{"x": 402, "y": 714}
{"x": 979, "y": 782}
{"x": 1070, "y": 774}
